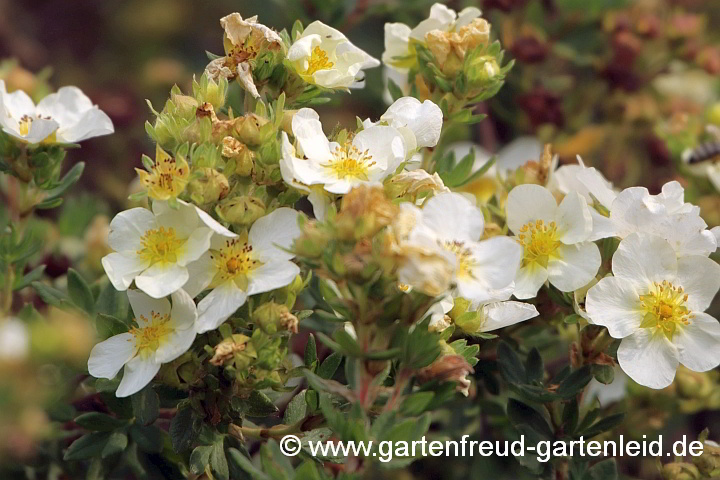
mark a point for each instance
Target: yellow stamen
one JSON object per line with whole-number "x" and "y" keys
{"x": 463, "y": 257}
{"x": 540, "y": 242}
{"x": 234, "y": 261}
{"x": 154, "y": 333}
{"x": 665, "y": 308}
{"x": 318, "y": 61}
{"x": 160, "y": 245}
{"x": 349, "y": 162}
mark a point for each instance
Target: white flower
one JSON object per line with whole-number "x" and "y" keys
{"x": 484, "y": 270}
{"x": 418, "y": 122}
{"x": 666, "y": 215}
{"x": 243, "y": 40}
{"x": 587, "y": 181}
{"x": 399, "y": 52}
{"x": 14, "y": 339}
{"x": 655, "y": 302}
{"x": 67, "y": 116}
{"x": 368, "y": 157}
{"x": 323, "y": 56}
{"x": 163, "y": 333}
{"x": 247, "y": 265}
{"x": 493, "y": 314}
{"x": 555, "y": 240}
{"x": 153, "y": 248}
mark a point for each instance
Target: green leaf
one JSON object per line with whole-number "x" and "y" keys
{"x": 570, "y": 416}
{"x": 244, "y": 463}
{"x": 259, "y": 405}
{"x": 603, "y": 470}
{"x": 479, "y": 172}
{"x": 395, "y": 91}
{"x": 51, "y": 296}
{"x": 604, "y": 374}
{"x": 603, "y": 425}
{"x": 330, "y": 365}
{"x": 184, "y": 429}
{"x": 116, "y": 443}
{"x": 534, "y": 367}
{"x": 34, "y": 275}
{"x": 108, "y": 326}
{"x": 523, "y": 414}
{"x": 87, "y": 446}
{"x": 112, "y": 302}
{"x": 510, "y": 364}
{"x": 80, "y": 292}
{"x": 297, "y": 409}
{"x": 347, "y": 342}
{"x": 70, "y": 178}
{"x": 461, "y": 171}
{"x": 218, "y": 462}
{"x": 310, "y": 351}
{"x": 575, "y": 382}
{"x": 200, "y": 458}
{"x": 149, "y": 439}
{"x": 416, "y": 403}
{"x": 145, "y": 405}
{"x": 99, "y": 422}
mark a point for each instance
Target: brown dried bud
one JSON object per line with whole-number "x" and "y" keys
{"x": 448, "y": 368}
{"x": 226, "y": 350}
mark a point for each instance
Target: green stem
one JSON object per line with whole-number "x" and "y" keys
{"x": 8, "y": 290}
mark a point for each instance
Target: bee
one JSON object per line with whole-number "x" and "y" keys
{"x": 705, "y": 152}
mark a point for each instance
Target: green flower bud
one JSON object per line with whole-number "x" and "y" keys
{"x": 482, "y": 69}
{"x": 273, "y": 317}
{"x": 209, "y": 187}
{"x": 709, "y": 462}
{"x": 680, "y": 471}
{"x": 248, "y": 129}
{"x": 242, "y": 210}
{"x": 211, "y": 91}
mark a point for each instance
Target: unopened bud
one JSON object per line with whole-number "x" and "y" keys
{"x": 225, "y": 351}
{"x": 448, "y": 368}
{"x": 234, "y": 149}
{"x": 273, "y": 317}
{"x": 709, "y": 462}
{"x": 210, "y": 187}
{"x": 248, "y": 128}
{"x": 680, "y": 471}
{"x": 242, "y": 210}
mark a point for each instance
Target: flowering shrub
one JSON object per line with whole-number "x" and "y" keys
{"x": 255, "y": 228}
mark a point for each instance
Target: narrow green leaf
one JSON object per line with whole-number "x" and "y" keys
{"x": 145, "y": 405}
{"x": 310, "y": 351}
{"x": 79, "y": 292}
{"x": 330, "y": 365}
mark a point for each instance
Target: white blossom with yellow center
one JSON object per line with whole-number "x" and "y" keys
{"x": 161, "y": 334}
{"x": 369, "y": 157}
{"x": 153, "y": 248}
{"x": 484, "y": 269}
{"x": 399, "y": 38}
{"x": 67, "y": 116}
{"x": 323, "y": 56}
{"x": 494, "y": 314}
{"x": 235, "y": 268}
{"x": 655, "y": 302}
{"x": 554, "y": 239}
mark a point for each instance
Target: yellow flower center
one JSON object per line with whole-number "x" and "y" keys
{"x": 24, "y": 125}
{"x": 665, "y": 308}
{"x": 540, "y": 242}
{"x": 318, "y": 61}
{"x": 167, "y": 178}
{"x": 234, "y": 261}
{"x": 160, "y": 245}
{"x": 155, "y": 332}
{"x": 349, "y": 162}
{"x": 463, "y": 258}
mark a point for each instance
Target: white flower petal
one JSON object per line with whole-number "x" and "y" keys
{"x": 441, "y": 18}
{"x": 218, "y": 305}
{"x": 573, "y": 219}
{"x": 197, "y": 243}
{"x": 649, "y": 359}
{"x": 575, "y": 266}
{"x": 160, "y": 280}
{"x": 613, "y": 303}
{"x": 143, "y": 305}
{"x": 643, "y": 259}
{"x": 67, "y": 105}
{"x": 698, "y": 344}
{"x": 108, "y": 357}
{"x": 503, "y": 314}
{"x": 423, "y": 119}
{"x": 200, "y": 273}
{"x": 496, "y": 261}
{"x": 184, "y": 312}
{"x": 386, "y": 146}
{"x": 320, "y": 203}
{"x": 178, "y": 342}
{"x": 270, "y": 234}
{"x": 453, "y": 217}
{"x": 529, "y": 203}
{"x": 17, "y": 103}
{"x": 529, "y": 280}
{"x": 128, "y": 227}
{"x": 122, "y": 269}
{"x": 93, "y": 123}
{"x": 40, "y": 129}
{"x": 700, "y": 278}
{"x": 213, "y": 224}
{"x": 397, "y": 36}
{"x": 138, "y": 373}
{"x": 272, "y": 275}
{"x": 309, "y": 135}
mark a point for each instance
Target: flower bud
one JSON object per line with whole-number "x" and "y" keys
{"x": 210, "y": 187}
{"x": 364, "y": 211}
{"x": 234, "y": 149}
{"x": 183, "y": 105}
{"x": 448, "y": 368}
{"x": 242, "y": 210}
{"x": 680, "y": 471}
{"x": 313, "y": 241}
{"x": 482, "y": 69}
{"x": 273, "y": 317}
{"x": 709, "y": 462}
{"x": 225, "y": 351}
{"x": 248, "y": 128}
{"x": 414, "y": 183}
{"x": 713, "y": 114}
{"x": 450, "y": 48}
